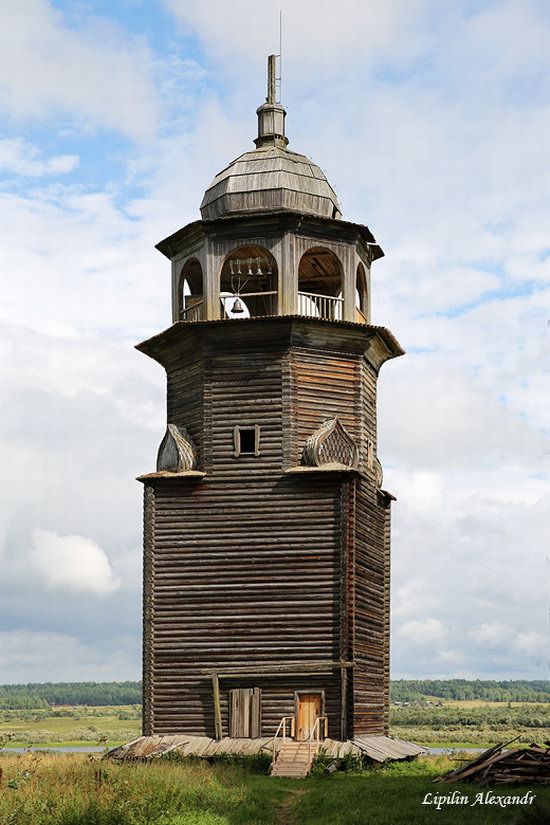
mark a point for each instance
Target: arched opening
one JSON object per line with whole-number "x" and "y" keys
{"x": 248, "y": 283}
{"x": 190, "y": 292}
{"x": 320, "y": 285}
{"x": 361, "y": 296}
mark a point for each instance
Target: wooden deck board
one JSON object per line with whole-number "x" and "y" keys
{"x": 378, "y": 748}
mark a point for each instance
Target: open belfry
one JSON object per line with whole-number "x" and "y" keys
{"x": 267, "y": 531}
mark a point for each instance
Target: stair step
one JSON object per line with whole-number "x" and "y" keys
{"x": 298, "y": 758}
{"x": 291, "y": 775}
{"x": 294, "y": 760}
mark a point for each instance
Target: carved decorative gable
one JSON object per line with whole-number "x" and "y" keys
{"x": 331, "y": 444}
{"x": 176, "y": 452}
{"x": 378, "y": 473}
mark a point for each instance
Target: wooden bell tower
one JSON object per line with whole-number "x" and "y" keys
{"x": 267, "y": 531}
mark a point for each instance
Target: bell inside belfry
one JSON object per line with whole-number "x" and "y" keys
{"x": 237, "y": 306}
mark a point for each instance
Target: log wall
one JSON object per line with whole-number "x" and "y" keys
{"x": 242, "y": 579}
{"x": 253, "y": 569}
{"x": 371, "y": 613}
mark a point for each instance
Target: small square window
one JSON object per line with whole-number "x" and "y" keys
{"x": 247, "y": 440}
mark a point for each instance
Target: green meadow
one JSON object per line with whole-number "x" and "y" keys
{"x": 81, "y": 789}
{"x": 76, "y": 725}
{"x": 453, "y": 724}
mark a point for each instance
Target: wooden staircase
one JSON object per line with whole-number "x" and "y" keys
{"x": 294, "y": 760}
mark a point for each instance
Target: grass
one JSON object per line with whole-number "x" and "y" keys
{"x": 471, "y": 723}
{"x": 393, "y": 795}
{"x": 456, "y": 724}
{"x": 477, "y": 738}
{"x": 472, "y": 703}
{"x": 71, "y": 726}
{"x": 82, "y": 790}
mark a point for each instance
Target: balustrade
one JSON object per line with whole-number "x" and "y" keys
{"x": 326, "y": 307}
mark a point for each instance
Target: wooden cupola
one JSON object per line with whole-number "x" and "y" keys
{"x": 271, "y": 240}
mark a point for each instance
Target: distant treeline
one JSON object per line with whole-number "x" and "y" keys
{"x": 69, "y": 693}
{"x": 46, "y": 695}
{"x": 517, "y": 690}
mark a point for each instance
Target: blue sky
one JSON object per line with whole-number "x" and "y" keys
{"x": 432, "y": 122}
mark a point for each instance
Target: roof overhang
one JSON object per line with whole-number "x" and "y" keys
{"x": 269, "y": 224}
{"x": 376, "y": 343}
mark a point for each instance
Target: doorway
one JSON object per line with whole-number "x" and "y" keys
{"x": 309, "y": 706}
{"x": 245, "y": 714}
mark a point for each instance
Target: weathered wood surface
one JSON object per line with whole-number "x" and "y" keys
{"x": 498, "y": 766}
{"x": 268, "y": 178}
{"x": 384, "y": 748}
{"x": 377, "y": 748}
{"x": 256, "y": 568}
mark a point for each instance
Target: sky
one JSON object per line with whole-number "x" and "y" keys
{"x": 432, "y": 122}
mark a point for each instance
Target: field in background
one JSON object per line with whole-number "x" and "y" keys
{"x": 70, "y": 725}
{"x": 422, "y": 711}
{"x": 452, "y": 724}
{"x": 82, "y": 790}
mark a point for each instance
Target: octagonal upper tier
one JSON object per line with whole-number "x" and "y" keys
{"x": 270, "y": 177}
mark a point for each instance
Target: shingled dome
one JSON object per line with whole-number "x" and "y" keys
{"x": 270, "y": 177}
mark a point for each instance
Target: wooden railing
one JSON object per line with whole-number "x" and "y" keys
{"x": 316, "y": 735}
{"x": 326, "y": 307}
{"x": 256, "y": 307}
{"x": 258, "y": 304}
{"x": 360, "y": 316}
{"x": 281, "y": 731}
{"x": 193, "y": 312}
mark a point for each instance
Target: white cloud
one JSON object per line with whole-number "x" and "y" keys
{"x": 18, "y": 156}
{"x": 422, "y": 492}
{"x": 500, "y": 638}
{"x": 79, "y": 259}
{"x": 406, "y": 597}
{"x": 41, "y": 655}
{"x": 424, "y": 631}
{"x": 72, "y": 563}
{"x": 91, "y": 72}
{"x": 453, "y": 422}
{"x": 453, "y": 658}
{"x": 491, "y": 635}
{"x": 531, "y": 643}
{"x": 362, "y": 30}
{"x": 431, "y": 133}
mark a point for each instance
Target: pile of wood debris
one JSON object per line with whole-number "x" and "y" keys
{"x": 498, "y": 766}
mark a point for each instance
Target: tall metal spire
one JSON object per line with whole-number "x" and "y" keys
{"x": 271, "y": 114}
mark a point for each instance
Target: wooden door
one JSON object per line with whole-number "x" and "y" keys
{"x": 245, "y": 713}
{"x": 309, "y": 708}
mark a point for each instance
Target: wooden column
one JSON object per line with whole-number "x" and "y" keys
{"x": 217, "y": 706}
{"x": 343, "y": 704}
{"x": 348, "y": 286}
{"x": 288, "y": 276}
{"x": 211, "y": 281}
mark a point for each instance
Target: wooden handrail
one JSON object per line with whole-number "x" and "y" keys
{"x": 193, "y": 312}
{"x": 246, "y": 295}
{"x": 315, "y": 731}
{"x": 326, "y": 307}
{"x": 318, "y": 295}
{"x": 282, "y": 724}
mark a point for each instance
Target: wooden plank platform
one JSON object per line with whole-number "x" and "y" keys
{"x": 377, "y": 748}
{"x": 384, "y": 748}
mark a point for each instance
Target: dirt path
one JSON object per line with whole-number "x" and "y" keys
{"x": 286, "y": 810}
